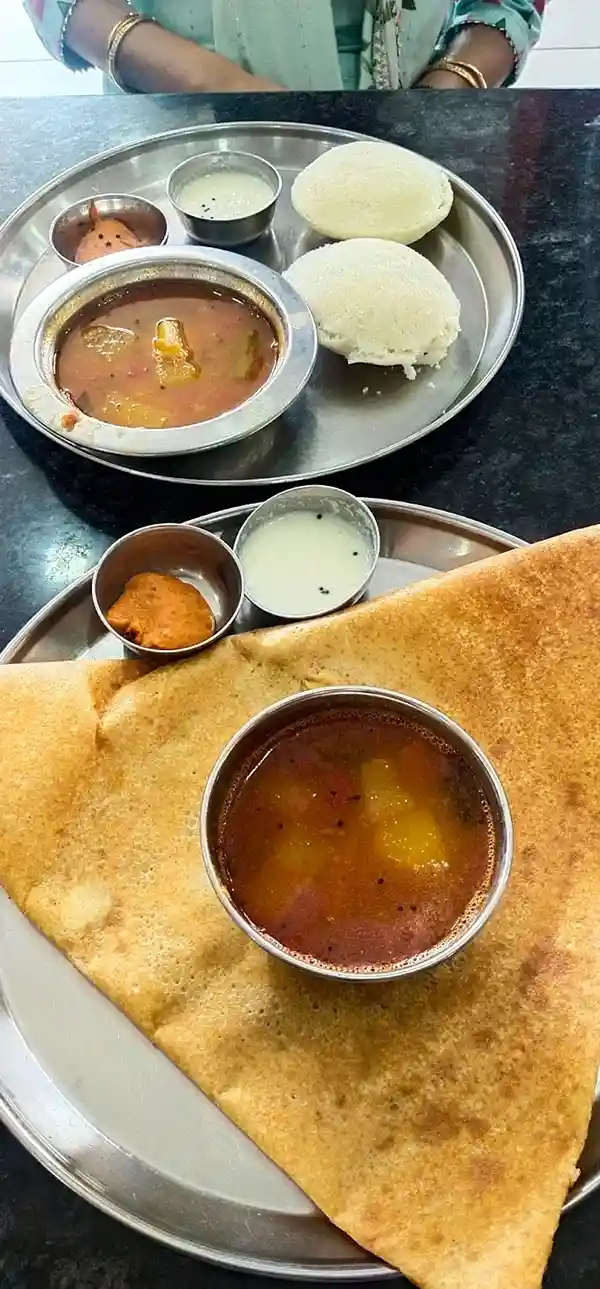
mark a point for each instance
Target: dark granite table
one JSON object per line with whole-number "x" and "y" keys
{"x": 525, "y": 457}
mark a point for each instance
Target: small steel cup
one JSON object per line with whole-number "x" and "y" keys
{"x": 285, "y": 715}
{"x": 142, "y": 217}
{"x": 315, "y": 498}
{"x": 224, "y": 233}
{"x": 187, "y": 552}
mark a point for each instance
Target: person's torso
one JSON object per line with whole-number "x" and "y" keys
{"x": 303, "y": 44}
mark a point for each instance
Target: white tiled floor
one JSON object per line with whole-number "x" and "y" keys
{"x": 568, "y": 54}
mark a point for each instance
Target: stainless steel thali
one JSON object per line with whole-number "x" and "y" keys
{"x": 96, "y": 1103}
{"x": 348, "y": 416}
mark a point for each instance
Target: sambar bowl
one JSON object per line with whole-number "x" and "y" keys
{"x": 40, "y": 331}
{"x": 285, "y": 715}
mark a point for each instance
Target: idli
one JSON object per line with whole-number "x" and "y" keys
{"x": 372, "y": 189}
{"x": 378, "y": 302}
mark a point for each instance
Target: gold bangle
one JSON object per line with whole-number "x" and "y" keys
{"x": 115, "y": 40}
{"x": 468, "y": 73}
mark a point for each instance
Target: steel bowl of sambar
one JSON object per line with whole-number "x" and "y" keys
{"x": 356, "y": 833}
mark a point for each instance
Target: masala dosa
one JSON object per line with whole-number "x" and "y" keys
{"x": 438, "y": 1120}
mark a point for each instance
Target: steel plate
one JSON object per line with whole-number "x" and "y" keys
{"x": 93, "y": 1100}
{"x": 347, "y": 416}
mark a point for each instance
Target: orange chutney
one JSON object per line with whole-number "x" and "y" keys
{"x": 356, "y": 839}
{"x": 164, "y": 355}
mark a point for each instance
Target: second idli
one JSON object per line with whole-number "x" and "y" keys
{"x": 372, "y": 189}
{"x": 378, "y": 302}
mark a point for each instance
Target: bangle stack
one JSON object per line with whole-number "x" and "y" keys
{"x": 466, "y": 71}
{"x": 115, "y": 40}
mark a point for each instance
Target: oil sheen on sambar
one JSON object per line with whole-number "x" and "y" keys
{"x": 356, "y": 839}
{"x": 165, "y": 354}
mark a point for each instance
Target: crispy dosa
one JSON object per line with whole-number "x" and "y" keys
{"x": 437, "y": 1120}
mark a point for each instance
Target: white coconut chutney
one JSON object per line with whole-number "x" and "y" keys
{"x": 224, "y": 194}
{"x": 304, "y": 563}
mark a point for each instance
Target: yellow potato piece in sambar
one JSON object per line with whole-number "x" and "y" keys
{"x": 413, "y": 839}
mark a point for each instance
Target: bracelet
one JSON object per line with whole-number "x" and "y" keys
{"x": 115, "y": 40}
{"x": 74, "y": 61}
{"x": 468, "y": 73}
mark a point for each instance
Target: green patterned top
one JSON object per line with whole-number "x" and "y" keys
{"x": 320, "y": 44}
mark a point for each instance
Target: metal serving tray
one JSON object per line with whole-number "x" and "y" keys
{"x": 348, "y": 415}
{"x": 94, "y": 1101}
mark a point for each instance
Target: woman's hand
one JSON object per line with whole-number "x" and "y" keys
{"x": 153, "y": 59}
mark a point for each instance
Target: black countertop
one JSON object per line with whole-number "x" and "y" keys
{"x": 524, "y": 457}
